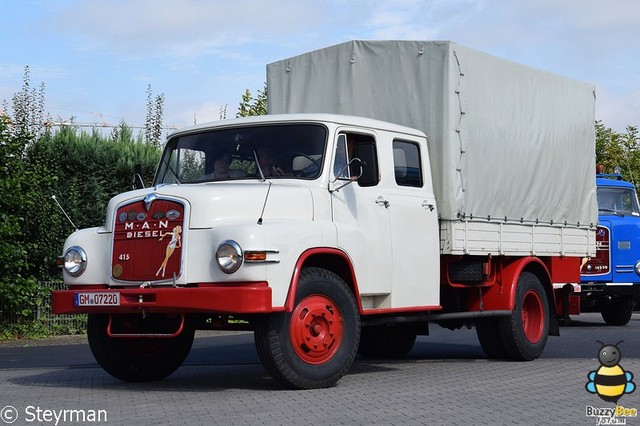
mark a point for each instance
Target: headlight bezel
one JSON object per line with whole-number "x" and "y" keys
{"x": 74, "y": 261}
{"x": 229, "y": 256}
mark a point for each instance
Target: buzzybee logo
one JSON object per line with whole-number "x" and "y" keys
{"x": 610, "y": 382}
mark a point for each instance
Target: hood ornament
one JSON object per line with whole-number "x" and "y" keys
{"x": 149, "y": 199}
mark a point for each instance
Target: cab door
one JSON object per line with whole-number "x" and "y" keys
{"x": 415, "y": 240}
{"x": 361, "y": 218}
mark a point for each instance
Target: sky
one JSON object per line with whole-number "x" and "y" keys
{"x": 97, "y": 58}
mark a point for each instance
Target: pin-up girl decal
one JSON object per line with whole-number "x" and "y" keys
{"x": 173, "y": 244}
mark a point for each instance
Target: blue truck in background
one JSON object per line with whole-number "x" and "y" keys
{"x": 610, "y": 281}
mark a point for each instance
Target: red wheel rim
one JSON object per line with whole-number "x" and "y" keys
{"x": 532, "y": 316}
{"x": 316, "y": 329}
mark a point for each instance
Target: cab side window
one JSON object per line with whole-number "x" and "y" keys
{"x": 406, "y": 163}
{"x": 356, "y": 157}
{"x": 340, "y": 164}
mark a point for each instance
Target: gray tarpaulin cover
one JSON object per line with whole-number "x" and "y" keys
{"x": 505, "y": 140}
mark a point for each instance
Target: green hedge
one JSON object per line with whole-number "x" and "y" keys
{"x": 83, "y": 170}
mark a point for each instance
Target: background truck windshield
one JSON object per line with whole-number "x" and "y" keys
{"x": 270, "y": 151}
{"x": 618, "y": 201}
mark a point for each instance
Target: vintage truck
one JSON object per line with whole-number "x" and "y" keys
{"x": 392, "y": 185}
{"x": 611, "y": 279}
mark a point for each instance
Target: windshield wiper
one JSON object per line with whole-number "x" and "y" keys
{"x": 255, "y": 157}
{"x": 616, "y": 212}
{"x": 173, "y": 173}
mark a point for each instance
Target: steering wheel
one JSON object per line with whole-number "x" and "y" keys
{"x": 309, "y": 170}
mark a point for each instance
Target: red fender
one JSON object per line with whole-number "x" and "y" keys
{"x": 350, "y": 278}
{"x": 501, "y": 296}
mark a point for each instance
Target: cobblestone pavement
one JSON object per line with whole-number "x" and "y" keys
{"x": 453, "y": 386}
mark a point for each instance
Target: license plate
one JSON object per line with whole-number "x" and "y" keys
{"x": 105, "y": 298}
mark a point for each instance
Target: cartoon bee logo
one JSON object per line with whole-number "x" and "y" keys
{"x": 610, "y": 381}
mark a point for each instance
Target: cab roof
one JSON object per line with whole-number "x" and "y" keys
{"x": 612, "y": 180}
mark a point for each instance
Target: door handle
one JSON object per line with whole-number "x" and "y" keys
{"x": 382, "y": 202}
{"x": 428, "y": 205}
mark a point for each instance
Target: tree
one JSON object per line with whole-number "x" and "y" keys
{"x": 153, "y": 123}
{"x": 630, "y": 143}
{"x": 122, "y": 133}
{"x": 222, "y": 113}
{"x": 28, "y": 108}
{"x": 250, "y": 106}
{"x": 618, "y": 151}
{"x": 18, "y": 290}
{"x": 21, "y": 201}
{"x": 82, "y": 169}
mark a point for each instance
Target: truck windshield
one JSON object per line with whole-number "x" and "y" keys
{"x": 284, "y": 151}
{"x": 620, "y": 201}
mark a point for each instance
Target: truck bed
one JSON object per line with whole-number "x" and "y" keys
{"x": 511, "y": 239}
{"x": 512, "y": 148}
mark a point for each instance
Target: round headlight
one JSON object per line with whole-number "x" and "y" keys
{"x": 75, "y": 261}
{"x": 637, "y": 267}
{"x": 229, "y": 256}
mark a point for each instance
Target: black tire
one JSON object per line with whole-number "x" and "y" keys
{"x": 139, "y": 359}
{"x": 524, "y": 333}
{"x": 618, "y": 311}
{"x": 313, "y": 346}
{"x": 488, "y": 333}
{"x": 386, "y": 341}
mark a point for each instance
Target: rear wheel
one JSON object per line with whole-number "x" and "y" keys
{"x": 524, "y": 333}
{"x": 313, "y": 346}
{"x": 618, "y": 311}
{"x": 488, "y": 333}
{"x": 386, "y": 341}
{"x": 136, "y": 359}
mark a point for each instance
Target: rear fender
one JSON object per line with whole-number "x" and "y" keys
{"x": 502, "y": 296}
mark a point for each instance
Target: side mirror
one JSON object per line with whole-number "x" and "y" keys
{"x": 354, "y": 162}
{"x": 138, "y": 182}
{"x": 356, "y": 166}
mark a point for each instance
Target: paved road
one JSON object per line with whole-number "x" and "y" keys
{"x": 445, "y": 380}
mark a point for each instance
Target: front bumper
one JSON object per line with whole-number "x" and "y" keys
{"x": 596, "y": 288}
{"x": 236, "y": 298}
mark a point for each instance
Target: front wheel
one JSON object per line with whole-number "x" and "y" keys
{"x": 618, "y": 311}
{"x": 313, "y": 346}
{"x": 524, "y": 333}
{"x": 136, "y": 359}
